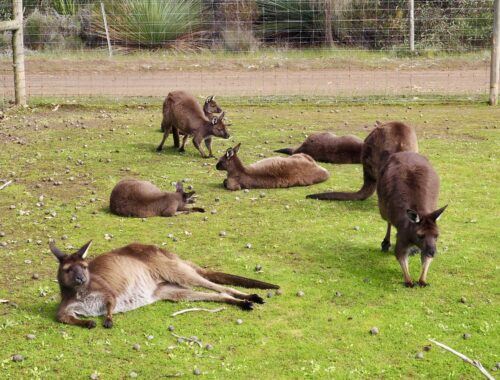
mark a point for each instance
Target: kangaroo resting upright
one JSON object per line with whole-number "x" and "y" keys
{"x": 137, "y": 275}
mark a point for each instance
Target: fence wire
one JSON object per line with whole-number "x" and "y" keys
{"x": 335, "y": 48}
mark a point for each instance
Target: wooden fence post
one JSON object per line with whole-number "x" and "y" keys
{"x": 411, "y": 20}
{"x": 18, "y": 53}
{"x": 495, "y": 56}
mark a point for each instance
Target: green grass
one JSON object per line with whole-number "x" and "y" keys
{"x": 331, "y": 251}
{"x": 263, "y": 59}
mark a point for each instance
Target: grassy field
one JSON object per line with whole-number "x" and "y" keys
{"x": 330, "y": 251}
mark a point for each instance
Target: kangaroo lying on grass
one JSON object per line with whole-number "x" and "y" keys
{"x": 210, "y": 107}
{"x": 327, "y": 147}
{"x": 182, "y": 111}
{"x": 142, "y": 199}
{"x": 390, "y": 137}
{"x": 137, "y": 275}
{"x": 407, "y": 190}
{"x": 297, "y": 170}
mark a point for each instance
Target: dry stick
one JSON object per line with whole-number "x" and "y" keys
{"x": 475, "y": 363}
{"x": 197, "y": 309}
{"x": 5, "y": 185}
{"x": 189, "y": 339}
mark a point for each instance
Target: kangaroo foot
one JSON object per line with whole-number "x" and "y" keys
{"x": 90, "y": 324}
{"x": 246, "y": 305}
{"x": 159, "y": 149}
{"x": 256, "y": 298}
{"x": 409, "y": 284}
{"x": 108, "y": 323}
{"x": 423, "y": 284}
{"x": 385, "y": 245}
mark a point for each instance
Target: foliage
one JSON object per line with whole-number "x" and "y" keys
{"x": 148, "y": 22}
{"x": 328, "y": 250}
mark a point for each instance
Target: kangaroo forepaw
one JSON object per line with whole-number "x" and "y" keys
{"x": 423, "y": 284}
{"x": 108, "y": 323}
{"x": 256, "y": 298}
{"x": 385, "y": 245}
{"x": 409, "y": 284}
{"x": 246, "y": 305}
{"x": 159, "y": 149}
{"x": 90, "y": 324}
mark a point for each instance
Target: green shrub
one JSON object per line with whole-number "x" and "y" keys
{"x": 147, "y": 22}
{"x": 51, "y": 32}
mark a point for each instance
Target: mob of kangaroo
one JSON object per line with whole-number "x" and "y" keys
{"x": 137, "y": 275}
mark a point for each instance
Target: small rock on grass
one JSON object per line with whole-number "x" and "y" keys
{"x": 239, "y": 321}
{"x": 133, "y": 374}
{"x": 171, "y": 328}
{"x": 270, "y": 294}
{"x": 300, "y": 293}
{"x": 222, "y": 233}
{"x": 463, "y": 299}
{"x": 279, "y": 292}
{"x": 419, "y": 355}
{"x": 467, "y": 336}
{"x": 248, "y": 245}
{"x": 209, "y": 347}
{"x": 136, "y": 347}
{"x": 30, "y": 336}
{"x": 35, "y": 276}
{"x": 427, "y": 348}
{"x": 94, "y": 376}
{"x": 196, "y": 371}
{"x": 17, "y": 358}
{"x": 258, "y": 268}
{"x": 374, "y": 331}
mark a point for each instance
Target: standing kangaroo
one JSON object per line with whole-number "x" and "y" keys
{"x": 210, "y": 107}
{"x": 142, "y": 199}
{"x": 407, "y": 190}
{"x": 297, "y": 170}
{"x": 388, "y": 138}
{"x": 327, "y": 147}
{"x": 182, "y": 111}
{"x": 137, "y": 275}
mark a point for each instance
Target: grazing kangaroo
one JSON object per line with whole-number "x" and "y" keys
{"x": 185, "y": 114}
{"x": 390, "y": 137}
{"x": 142, "y": 199}
{"x": 407, "y": 190}
{"x": 137, "y": 275}
{"x": 210, "y": 107}
{"x": 327, "y": 147}
{"x": 297, "y": 170}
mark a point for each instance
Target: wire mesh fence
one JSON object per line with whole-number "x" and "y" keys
{"x": 330, "y": 48}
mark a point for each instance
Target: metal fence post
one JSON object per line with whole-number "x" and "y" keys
{"x": 411, "y": 19}
{"x": 495, "y": 56}
{"x": 18, "y": 53}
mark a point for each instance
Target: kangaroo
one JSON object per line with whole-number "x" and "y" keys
{"x": 137, "y": 275}
{"x": 390, "y": 137}
{"x": 142, "y": 199}
{"x": 210, "y": 107}
{"x": 186, "y": 115}
{"x": 297, "y": 170}
{"x": 327, "y": 147}
{"x": 407, "y": 190}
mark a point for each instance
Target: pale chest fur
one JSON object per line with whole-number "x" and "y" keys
{"x": 137, "y": 294}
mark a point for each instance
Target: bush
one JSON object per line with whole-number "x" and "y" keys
{"x": 51, "y": 32}
{"x": 147, "y": 22}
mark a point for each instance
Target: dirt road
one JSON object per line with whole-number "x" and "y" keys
{"x": 329, "y": 82}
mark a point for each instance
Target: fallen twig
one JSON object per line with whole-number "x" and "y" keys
{"x": 475, "y": 363}
{"x": 5, "y": 185}
{"x": 188, "y": 339}
{"x": 4, "y": 301}
{"x": 197, "y": 309}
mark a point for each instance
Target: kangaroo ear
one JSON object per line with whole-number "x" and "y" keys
{"x": 229, "y": 153}
{"x": 412, "y": 215}
{"x": 435, "y": 215}
{"x": 179, "y": 187}
{"x": 209, "y": 99}
{"x": 82, "y": 252}
{"x": 56, "y": 251}
{"x": 215, "y": 120}
{"x": 237, "y": 148}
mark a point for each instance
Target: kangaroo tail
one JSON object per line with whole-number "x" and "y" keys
{"x": 288, "y": 151}
{"x": 368, "y": 188}
{"x": 231, "y": 279}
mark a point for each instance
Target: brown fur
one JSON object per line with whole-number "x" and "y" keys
{"x": 182, "y": 114}
{"x": 327, "y": 147}
{"x": 408, "y": 189}
{"x": 384, "y": 140}
{"x": 116, "y": 281}
{"x": 142, "y": 199}
{"x": 297, "y": 170}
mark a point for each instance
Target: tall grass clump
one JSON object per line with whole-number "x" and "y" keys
{"x": 65, "y": 7}
{"x": 150, "y": 23}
